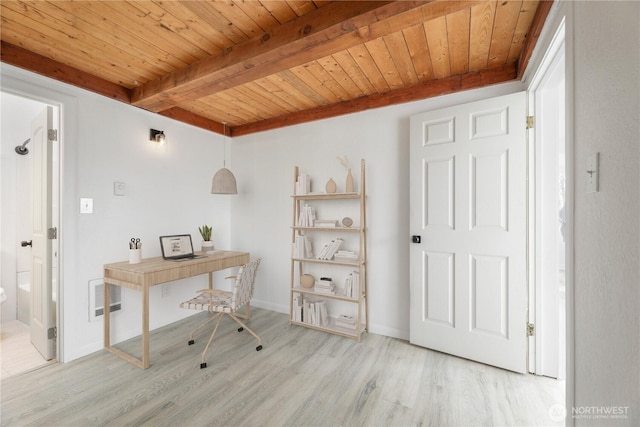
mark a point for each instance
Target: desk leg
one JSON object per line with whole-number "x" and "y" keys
{"x": 140, "y": 363}
{"x": 145, "y": 327}
{"x": 107, "y": 315}
{"x": 210, "y": 280}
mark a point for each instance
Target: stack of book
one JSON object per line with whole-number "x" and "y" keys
{"x": 302, "y": 247}
{"x": 346, "y": 256}
{"x": 310, "y": 311}
{"x": 352, "y": 285}
{"x": 315, "y": 313}
{"x": 298, "y": 303}
{"x": 307, "y": 216}
{"x": 326, "y": 223}
{"x": 325, "y": 286}
{"x": 330, "y": 249}
{"x": 346, "y": 322}
{"x": 303, "y": 184}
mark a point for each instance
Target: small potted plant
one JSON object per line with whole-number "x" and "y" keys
{"x": 205, "y": 232}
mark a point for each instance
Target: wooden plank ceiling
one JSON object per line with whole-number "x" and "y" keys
{"x": 259, "y": 65}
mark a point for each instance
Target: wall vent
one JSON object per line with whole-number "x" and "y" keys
{"x": 96, "y": 299}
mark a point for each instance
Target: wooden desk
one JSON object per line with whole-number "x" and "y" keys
{"x": 154, "y": 271}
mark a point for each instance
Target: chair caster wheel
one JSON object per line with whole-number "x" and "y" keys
{"x": 240, "y": 329}
{"x": 191, "y": 342}
{"x": 258, "y": 348}
{"x": 203, "y": 365}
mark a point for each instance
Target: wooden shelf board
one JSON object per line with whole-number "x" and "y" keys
{"x": 322, "y": 261}
{"x": 338, "y": 229}
{"x": 324, "y": 196}
{"x": 310, "y": 291}
{"x": 332, "y": 328}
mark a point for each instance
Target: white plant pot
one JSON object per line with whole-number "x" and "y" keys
{"x": 207, "y": 246}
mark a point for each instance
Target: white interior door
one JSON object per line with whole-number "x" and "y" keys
{"x": 42, "y": 313}
{"x": 468, "y": 205}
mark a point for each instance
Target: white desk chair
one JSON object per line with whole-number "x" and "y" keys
{"x": 219, "y": 303}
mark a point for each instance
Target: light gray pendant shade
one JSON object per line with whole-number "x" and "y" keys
{"x": 223, "y": 181}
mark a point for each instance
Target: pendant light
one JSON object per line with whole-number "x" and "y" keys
{"x": 223, "y": 181}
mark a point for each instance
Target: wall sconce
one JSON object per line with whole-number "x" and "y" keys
{"x": 157, "y": 136}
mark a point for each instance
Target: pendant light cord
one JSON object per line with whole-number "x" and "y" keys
{"x": 224, "y": 141}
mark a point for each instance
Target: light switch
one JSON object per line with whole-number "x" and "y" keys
{"x": 593, "y": 173}
{"x": 86, "y": 205}
{"x": 119, "y": 188}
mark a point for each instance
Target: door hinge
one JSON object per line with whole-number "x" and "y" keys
{"x": 531, "y": 329}
{"x": 52, "y": 333}
{"x": 529, "y": 122}
{"x": 52, "y": 135}
{"x": 52, "y": 233}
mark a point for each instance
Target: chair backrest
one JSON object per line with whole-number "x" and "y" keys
{"x": 244, "y": 285}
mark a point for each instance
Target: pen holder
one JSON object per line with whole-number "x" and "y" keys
{"x": 135, "y": 256}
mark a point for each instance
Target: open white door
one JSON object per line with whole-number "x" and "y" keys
{"x": 468, "y": 217}
{"x": 42, "y": 320}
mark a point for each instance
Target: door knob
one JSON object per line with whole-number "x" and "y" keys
{"x": 24, "y": 243}
{"x": 416, "y": 238}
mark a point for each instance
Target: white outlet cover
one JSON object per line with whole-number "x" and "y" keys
{"x": 119, "y": 188}
{"x": 86, "y": 205}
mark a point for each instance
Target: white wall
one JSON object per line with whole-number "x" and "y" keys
{"x": 261, "y": 215}
{"x": 607, "y": 224}
{"x": 168, "y": 191}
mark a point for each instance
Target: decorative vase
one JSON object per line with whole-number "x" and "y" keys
{"x": 348, "y": 188}
{"x": 330, "y": 188}
{"x": 207, "y": 246}
{"x": 307, "y": 281}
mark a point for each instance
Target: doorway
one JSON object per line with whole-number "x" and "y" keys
{"x": 548, "y": 210}
{"x": 17, "y": 154}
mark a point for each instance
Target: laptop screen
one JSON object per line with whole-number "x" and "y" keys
{"x": 177, "y": 246}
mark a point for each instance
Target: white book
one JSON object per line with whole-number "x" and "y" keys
{"x": 306, "y": 312}
{"x": 324, "y": 316}
{"x": 333, "y": 248}
{"x": 306, "y": 216}
{"x": 346, "y": 326}
{"x": 320, "y": 285}
{"x": 344, "y": 318}
{"x": 324, "y": 250}
{"x": 308, "y": 248}
{"x": 303, "y": 184}
{"x": 327, "y": 223}
{"x": 348, "y": 286}
{"x": 297, "y": 308}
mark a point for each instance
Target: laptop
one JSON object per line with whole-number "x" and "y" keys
{"x": 178, "y": 247}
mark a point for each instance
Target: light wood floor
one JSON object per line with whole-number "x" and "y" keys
{"x": 301, "y": 378}
{"x": 17, "y": 355}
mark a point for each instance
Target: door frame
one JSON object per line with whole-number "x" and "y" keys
{"x": 561, "y": 15}
{"x": 537, "y": 290}
{"x": 56, "y": 201}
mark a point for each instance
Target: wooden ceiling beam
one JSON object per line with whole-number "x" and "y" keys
{"x": 22, "y": 58}
{"x": 534, "y": 33}
{"x": 327, "y": 30}
{"x": 184, "y": 116}
{"x": 429, "y": 89}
